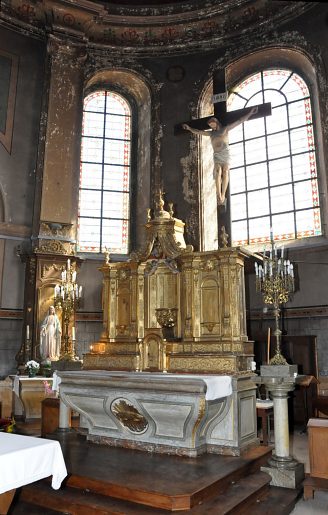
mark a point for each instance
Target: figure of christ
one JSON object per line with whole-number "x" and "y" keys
{"x": 219, "y": 135}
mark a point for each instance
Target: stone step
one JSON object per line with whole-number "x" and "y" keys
{"x": 74, "y": 501}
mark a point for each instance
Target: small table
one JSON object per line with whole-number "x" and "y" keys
{"x": 264, "y": 409}
{"x": 25, "y": 459}
{"x": 28, "y": 394}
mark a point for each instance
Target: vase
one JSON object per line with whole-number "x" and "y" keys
{"x": 32, "y": 372}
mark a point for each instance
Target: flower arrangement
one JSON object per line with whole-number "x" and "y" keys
{"x": 32, "y": 367}
{"x": 7, "y": 425}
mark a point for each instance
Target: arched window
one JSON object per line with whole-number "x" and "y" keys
{"x": 273, "y": 180}
{"x": 104, "y": 199}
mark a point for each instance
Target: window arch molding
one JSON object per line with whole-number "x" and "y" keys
{"x": 136, "y": 92}
{"x": 266, "y": 58}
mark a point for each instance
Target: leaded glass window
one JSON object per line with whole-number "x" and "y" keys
{"x": 273, "y": 180}
{"x": 104, "y": 202}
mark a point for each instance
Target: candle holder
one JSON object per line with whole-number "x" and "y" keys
{"x": 275, "y": 280}
{"x": 67, "y": 298}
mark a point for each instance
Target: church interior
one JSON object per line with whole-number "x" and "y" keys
{"x": 163, "y": 298}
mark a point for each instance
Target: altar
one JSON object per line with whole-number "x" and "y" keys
{"x": 166, "y": 413}
{"x": 174, "y": 329}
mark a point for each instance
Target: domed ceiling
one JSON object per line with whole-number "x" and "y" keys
{"x": 150, "y": 27}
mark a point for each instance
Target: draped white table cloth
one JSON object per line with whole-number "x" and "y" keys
{"x": 25, "y": 459}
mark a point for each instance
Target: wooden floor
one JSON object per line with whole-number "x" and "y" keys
{"x": 108, "y": 480}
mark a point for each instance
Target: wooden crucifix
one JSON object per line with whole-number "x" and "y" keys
{"x": 220, "y": 124}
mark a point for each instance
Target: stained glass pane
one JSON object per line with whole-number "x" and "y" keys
{"x": 239, "y": 230}
{"x": 237, "y": 180}
{"x": 275, "y": 79}
{"x": 295, "y": 88}
{"x": 117, "y": 127}
{"x": 280, "y": 171}
{"x": 297, "y": 113}
{"x": 257, "y": 228}
{"x": 283, "y": 226}
{"x": 93, "y": 124}
{"x": 254, "y": 128}
{"x": 92, "y": 150}
{"x": 90, "y": 203}
{"x": 304, "y": 195}
{"x": 95, "y": 102}
{"x": 115, "y": 104}
{"x": 89, "y": 235}
{"x": 301, "y": 140}
{"x": 255, "y": 150}
{"x": 116, "y": 152}
{"x": 275, "y": 97}
{"x": 308, "y": 223}
{"x": 278, "y": 121}
{"x": 258, "y": 203}
{"x": 282, "y": 199}
{"x": 91, "y": 176}
{"x": 237, "y": 154}
{"x": 249, "y": 86}
{"x": 304, "y": 166}
{"x": 116, "y": 205}
{"x": 236, "y": 101}
{"x": 236, "y": 134}
{"x": 116, "y": 178}
{"x": 257, "y": 176}
{"x": 115, "y": 236}
{"x": 238, "y": 207}
{"x": 278, "y": 145}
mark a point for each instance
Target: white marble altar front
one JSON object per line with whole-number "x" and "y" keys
{"x": 158, "y": 412}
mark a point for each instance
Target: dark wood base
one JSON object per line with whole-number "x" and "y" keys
{"x": 106, "y": 480}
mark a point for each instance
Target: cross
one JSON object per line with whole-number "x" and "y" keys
{"x": 220, "y": 109}
{"x": 225, "y": 118}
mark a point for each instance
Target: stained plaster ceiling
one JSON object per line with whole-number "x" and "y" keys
{"x": 150, "y": 27}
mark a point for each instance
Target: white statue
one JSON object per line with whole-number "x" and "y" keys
{"x": 50, "y": 336}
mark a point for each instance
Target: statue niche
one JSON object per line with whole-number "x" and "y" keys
{"x": 172, "y": 309}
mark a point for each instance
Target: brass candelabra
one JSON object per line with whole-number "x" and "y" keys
{"x": 67, "y": 298}
{"x": 275, "y": 280}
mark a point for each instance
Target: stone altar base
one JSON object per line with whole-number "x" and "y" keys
{"x": 166, "y": 413}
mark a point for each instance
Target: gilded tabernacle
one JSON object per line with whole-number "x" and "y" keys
{"x": 172, "y": 309}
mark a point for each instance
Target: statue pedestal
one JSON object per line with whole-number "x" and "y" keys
{"x": 284, "y": 470}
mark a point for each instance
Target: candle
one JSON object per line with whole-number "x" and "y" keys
{"x": 268, "y": 346}
{"x": 68, "y": 264}
{"x": 271, "y": 234}
{"x": 73, "y": 333}
{"x": 91, "y": 348}
{"x": 27, "y": 332}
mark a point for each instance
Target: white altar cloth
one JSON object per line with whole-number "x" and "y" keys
{"x": 25, "y": 459}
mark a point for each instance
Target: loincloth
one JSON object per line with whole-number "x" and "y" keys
{"x": 222, "y": 157}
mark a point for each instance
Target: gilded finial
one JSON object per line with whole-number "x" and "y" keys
{"x": 224, "y": 237}
{"x": 170, "y": 204}
{"x": 148, "y": 214}
{"x": 106, "y": 254}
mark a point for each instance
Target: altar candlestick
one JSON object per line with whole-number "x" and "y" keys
{"x": 27, "y": 332}
{"x": 268, "y": 346}
{"x": 73, "y": 333}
